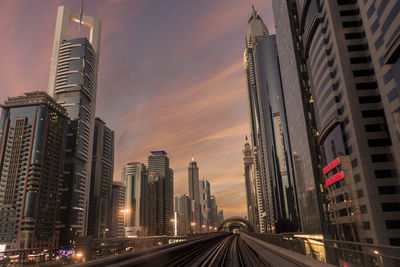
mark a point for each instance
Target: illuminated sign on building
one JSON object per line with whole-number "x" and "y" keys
{"x": 334, "y": 178}
{"x": 332, "y": 165}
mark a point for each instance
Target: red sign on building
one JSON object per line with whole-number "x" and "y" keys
{"x": 332, "y": 165}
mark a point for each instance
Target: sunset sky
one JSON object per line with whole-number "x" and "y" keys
{"x": 171, "y": 78}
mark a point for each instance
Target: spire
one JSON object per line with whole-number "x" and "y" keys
{"x": 246, "y": 138}
{"x": 80, "y": 15}
{"x": 254, "y": 12}
{"x": 192, "y": 158}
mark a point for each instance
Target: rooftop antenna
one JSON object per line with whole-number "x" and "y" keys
{"x": 80, "y": 15}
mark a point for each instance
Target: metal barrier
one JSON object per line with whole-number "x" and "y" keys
{"x": 340, "y": 253}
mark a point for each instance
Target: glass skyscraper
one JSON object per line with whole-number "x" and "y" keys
{"x": 134, "y": 176}
{"x": 270, "y": 136}
{"x": 72, "y": 82}
{"x": 300, "y": 116}
{"x": 101, "y": 181}
{"x": 161, "y": 178}
{"x": 33, "y": 130}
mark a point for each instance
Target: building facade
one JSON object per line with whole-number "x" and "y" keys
{"x": 300, "y": 117}
{"x": 118, "y": 210}
{"x": 134, "y": 176}
{"x": 33, "y": 130}
{"x": 352, "y": 72}
{"x": 72, "y": 82}
{"x": 101, "y": 180}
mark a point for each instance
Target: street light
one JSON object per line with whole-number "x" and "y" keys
{"x": 193, "y": 224}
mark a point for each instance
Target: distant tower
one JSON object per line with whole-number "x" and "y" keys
{"x": 72, "y": 82}
{"x": 252, "y": 191}
{"x": 194, "y": 194}
{"x": 205, "y": 203}
{"x": 32, "y": 142}
{"x": 118, "y": 210}
{"x": 160, "y": 171}
{"x": 134, "y": 175}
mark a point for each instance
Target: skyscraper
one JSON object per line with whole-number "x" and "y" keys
{"x": 101, "y": 180}
{"x": 32, "y": 144}
{"x": 353, "y": 77}
{"x": 182, "y": 209}
{"x": 159, "y": 169}
{"x": 194, "y": 194}
{"x": 250, "y": 182}
{"x": 134, "y": 176}
{"x": 300, "y": 116}
{"x": 118, "y": 210}
{"x": 269, "y": 129}
{"x": 72, "y": 82}
{"x": 205, "y": 203}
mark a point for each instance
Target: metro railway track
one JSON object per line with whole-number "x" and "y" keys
{"x": 220, "y": 250}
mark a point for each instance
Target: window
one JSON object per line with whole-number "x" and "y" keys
{"x": 342, "y": 212}
{"x": 379, "y": 142}
{"x": 388, "y": 190}
{"x": 359, "y": 47}
{"x": 369, "y": 99}
{"x": 354, "y": 35}
{"x": 394, "y": 241}
{"x": 391, "y": 206}
{"x": 354, "y": 163}
{"x": 363, "y": 209}
{"x": 360, "y": 60}
{"x": 360, "y": 193}
{"x": 366, "y": 86}
{"x": 392, "y": 224}
{"x": 363, "y": 73}
{"x": 339, "y": 198}
{"x": 346, "y": 2}
{"x": 349, "y": 24}
{"x": 375, "y": 127}
{"x": 350, "y": 12}
{"x": 366, "y": 225}
{"x": 379, "y": 174}
{"x": 357, "y": 178}
{"x": 381, "y": 157}
{"x": 372, "y": 113}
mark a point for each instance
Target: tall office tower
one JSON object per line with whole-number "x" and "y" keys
{"x": 205, "y": 203}
{"x": 32, "y": 144}
{"x": 155, "y": 204}
{"x": 300, "y": 116}
{"x": 101, "y": 180}
{"x": 159, "y": 166}
{"x": 221, "y": 217}
{"x": 250, "y": 182}
{"x": 194, "y": 194}
{"x": 213, "y": 213}
{"x": 349, "y": 79}
{"x": 182, "y": 209}
{"x": 118, "y": 211}
{"x": 269, "y": 129}
{"x": 72, "y": 82}
{"x": 134, "y": 176}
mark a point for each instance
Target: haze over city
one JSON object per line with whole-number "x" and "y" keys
{"x": 170, "y": 77}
